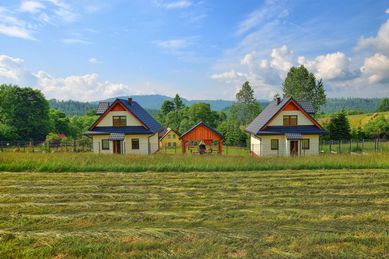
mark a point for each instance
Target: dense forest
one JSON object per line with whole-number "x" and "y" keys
{"x": 332, "y": 105}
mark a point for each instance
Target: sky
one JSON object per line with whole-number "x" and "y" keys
{"x": 91, "y": 50}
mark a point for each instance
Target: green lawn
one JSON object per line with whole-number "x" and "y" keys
{"x": 284, "y": 214}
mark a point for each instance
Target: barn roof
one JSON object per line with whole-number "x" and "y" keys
{"x": 204, "y": 124}
{"x": 272, "y": 109}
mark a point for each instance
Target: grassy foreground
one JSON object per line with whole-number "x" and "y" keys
{"x": 327, "y": 213}
{"x": 87, "y": 162}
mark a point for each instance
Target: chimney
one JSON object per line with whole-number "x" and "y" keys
{"x": 278, "y": 99}
{"x": 129, "y": 100}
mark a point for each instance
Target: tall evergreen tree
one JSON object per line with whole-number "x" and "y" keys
{"x": 246, "y": 108}
{"x": 300, "y": 84}
{"x": 339, "y": 127}
{"x": 179, "y": 104}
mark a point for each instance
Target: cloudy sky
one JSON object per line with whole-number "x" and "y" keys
{"x": 93, "y": 49}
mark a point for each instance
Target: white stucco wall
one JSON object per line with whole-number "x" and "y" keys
{"x": 301, "y": 118}
{"x": 107, "y": 120}
{"x": 127, "y": 146}
{"x": 261, "y": 146}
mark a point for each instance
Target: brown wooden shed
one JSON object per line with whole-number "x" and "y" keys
{"x": 201, "y": 132}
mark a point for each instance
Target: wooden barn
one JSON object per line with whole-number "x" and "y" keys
{"x": 201, "y": 139}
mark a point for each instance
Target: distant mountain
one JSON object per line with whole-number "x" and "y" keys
{"x": 153, "y": 103}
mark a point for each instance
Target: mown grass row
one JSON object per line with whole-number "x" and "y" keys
{"x": 282, "y": 214}
{"x": 86, "y": 162}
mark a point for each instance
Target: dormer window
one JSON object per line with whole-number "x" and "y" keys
{"x": 119, "y": 121}
{"x": 290, "y": 120}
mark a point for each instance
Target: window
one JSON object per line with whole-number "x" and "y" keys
{"x": 168, "y": 136}
{"x": 105, "y": 144}
{"x": 305, "y": 144}
{"x": 174, "y": 135}
{"x": 290, "y": 120}
{"x": 135, "y": 143}
{"x": 274, "y": 144}
{"x": 119, "y": 121}
{"x": 169, "y": 144}
{"x": 174, "y": 144}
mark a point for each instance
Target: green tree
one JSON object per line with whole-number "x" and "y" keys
{"x": 246, "y": 108}
{"x": 378, "y": 127}
{"x": 300, "y": 84}
{"x": 232, "y": 132}
{"x": 59, "y": 123}
{"x": 25, "y": 111}
{"x": 339, "y": 126}
{"x": 178, "y": 103}
{"x": 384, "y": 105}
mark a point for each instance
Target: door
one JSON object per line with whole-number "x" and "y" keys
{"x": 294, "y": 148}
{"x": 117, "y": 147}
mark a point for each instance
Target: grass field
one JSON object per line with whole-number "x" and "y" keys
{"x": 284, "y": 214}
{"x": 358, "y": 120}
{"x": 87, "y": 162}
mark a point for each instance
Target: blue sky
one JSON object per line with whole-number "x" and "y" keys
{"x": 90, "y": 50}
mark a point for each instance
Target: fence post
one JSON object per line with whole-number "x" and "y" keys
{"x": 363, "y": 144}
{"x": 339, "y": 143}
{"x": 74, "y": 146}
{"x": 330, "y": 146}
{"x": 350, "y": 144}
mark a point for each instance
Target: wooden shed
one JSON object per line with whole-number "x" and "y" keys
{"x": 202, "y": 134}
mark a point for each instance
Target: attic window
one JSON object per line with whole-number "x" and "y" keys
{"x": 119, "y": 121}
{"x": 290, "y": 120}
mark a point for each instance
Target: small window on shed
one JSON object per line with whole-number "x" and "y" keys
{"x": 274, "y": 144}
{"x": 305, "y": 144}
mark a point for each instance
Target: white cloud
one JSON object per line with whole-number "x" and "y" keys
{"x": 271, "y": 10}
{"x": 329, "y": 66}
{"x": 280, "y": 59}
{"x": 380, "y": 42}
{"x": 248, "y": 59}
{"x": 72, "y": 41}
{"x": 376, "y": 69}
{"x": 228, "y": 75}
{"x": 179, "y": 4}
{"x": 387, "y": 11}
{"x": 174, "y": 44}
{"x": 30, "y": 6}
{"x": 94, "y": 61}
{"x": 13, "y": 27}
{"x": 12, "y": 71}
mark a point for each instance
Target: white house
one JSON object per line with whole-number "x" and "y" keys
{"x": 124, "y": 127}
{"x": 285, "y": 128}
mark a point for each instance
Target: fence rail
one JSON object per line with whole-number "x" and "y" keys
{"x": 354, "y": 146}
{"x": 46, "y": 146}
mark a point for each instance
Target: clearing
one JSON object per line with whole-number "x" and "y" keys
{"x": 321, "y": 213}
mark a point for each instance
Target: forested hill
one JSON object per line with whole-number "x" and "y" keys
{"x": 154, "y": 102}
{"x": 359, "y": 104}
{"x": 72, "y": 107}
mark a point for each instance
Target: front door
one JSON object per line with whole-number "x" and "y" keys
{"x": 117, "y": 147}
{"x": 294, "y": 150}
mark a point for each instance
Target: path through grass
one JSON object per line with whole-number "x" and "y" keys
{"x": 327, "y": 213}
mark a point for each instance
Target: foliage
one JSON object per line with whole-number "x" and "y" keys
{"x": 71, "y": 108}
{"x": 232, "y": 132}
{"x": 302, "y": 85}
{"x": 339, "y": 127}
{"x": 384, "y": 105}
{"x": 378, "y": 127}
{"x": 58, "y": 122}
{"x": 333, "y": 105}
{"x": 246, "y": 108}
{"x": 24, "y": 113}
{"x": 178, "y": 103}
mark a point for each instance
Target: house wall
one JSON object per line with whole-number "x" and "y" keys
{"x": 262, "y": 146}
{"x": 169, "y": 138}
{"x": 107, "y": 120}
{"x": 127, "y": 146}
{"x": 301, "y": 118}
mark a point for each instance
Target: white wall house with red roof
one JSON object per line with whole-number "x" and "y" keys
{"x": 124, "y": 127}
{"x": 285, "y": 128}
